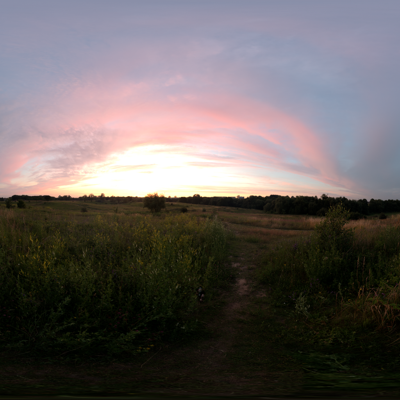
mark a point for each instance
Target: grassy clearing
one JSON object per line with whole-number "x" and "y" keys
{"x": 338, "y": 291}
{"x": 275, "y": 222}
{"x": 86, "y": 283}
{"x": 342, "y": 336}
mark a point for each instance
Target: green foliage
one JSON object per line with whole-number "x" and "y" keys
{"x": 355, "y": 216}
{"x": 84, "y": 209}
{"x": 328, "y": 258}
{"x": 21, "y": 204}
{"x": 330, "y": 232}
{"x": 9, "y": 203}
{"x": 382, "y": 216}
{"x": 109, "y": 284}
{"x": 184, "y": 210}
{"x": 154, "y": 202}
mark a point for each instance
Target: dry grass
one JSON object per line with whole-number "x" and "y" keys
{"x": 274, "y": 222}
{"x": 367, "y": 230}
{"x": 369, "y": 224}
{"x": 377, "y": 307}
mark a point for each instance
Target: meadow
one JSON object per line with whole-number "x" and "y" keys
{"x": 105, "y": 280}
{"x": 116, "y": 280}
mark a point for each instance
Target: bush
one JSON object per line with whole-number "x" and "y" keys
{"x": 184, "y": 209}
{"x": 154, "y": 202}
{"x": 204, "y": 210}
{"x": 21, "y": 204}
{"x": 382, "y": 216}
{"x": 8, "y": 203}
{"x": 84, "y": 209}
{"x": 322, "y": 212}
{"x": 329, "y": 259}
{"x": 355, "y": 216}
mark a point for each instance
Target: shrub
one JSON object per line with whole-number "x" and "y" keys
{"x": 355, "y": 216}
{"x": 330, "y": 231}
{"x": 184, "y": 209}
{"x": 322, "y": 212}
{"x": 382, "y": 216}
{"x": 154, "y": 202}
{"x": 329, "y": 259}
{"x": 204, "y": 210}
{"x": 8, "y": 203}
{"x": 84, "y": 209}
{"x": 21, "y": 204}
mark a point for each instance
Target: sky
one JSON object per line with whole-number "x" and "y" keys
{"x": 209, "y": 97}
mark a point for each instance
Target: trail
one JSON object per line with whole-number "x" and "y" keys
{"x": 231, "y": 360}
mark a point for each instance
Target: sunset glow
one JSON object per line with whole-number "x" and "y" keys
{"x": 211, "y": 97}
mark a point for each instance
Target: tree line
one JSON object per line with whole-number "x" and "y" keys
{"x": 297, "y": 205}
{"x": 273, "y": 204}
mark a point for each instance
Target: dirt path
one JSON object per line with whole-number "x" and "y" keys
{"x": 233, "y": 358}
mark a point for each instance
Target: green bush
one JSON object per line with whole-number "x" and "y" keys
{"x": 184, "y": 210}
{"x": 9, "y": 203}
{"x": 329, "y": 259}
{"x": 84, "y": 209}
{"x": 321, "y": 212}
{"x": 330, "y": 232}
{"x": 154, "y": 202}
{"x": 382, "y": 216}
{"x": 21, "y": 204}
{"x": 355, "y": 216}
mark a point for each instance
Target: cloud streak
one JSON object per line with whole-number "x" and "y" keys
{"x": 183, "y": 97}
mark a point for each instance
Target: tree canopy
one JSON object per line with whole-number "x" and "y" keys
{"x": 154, "y": 202}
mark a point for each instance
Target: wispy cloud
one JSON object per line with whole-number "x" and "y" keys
{"x": 181, "y": 97}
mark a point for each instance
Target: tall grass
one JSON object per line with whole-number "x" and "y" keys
{"x": 110, "y": 283}
{"x": 276, "y": 222}
{"x": 358, "y": 261}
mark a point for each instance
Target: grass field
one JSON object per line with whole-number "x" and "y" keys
{"x": 117, "y": 281}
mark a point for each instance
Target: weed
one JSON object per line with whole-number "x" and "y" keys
{"x": 104, "y": 284}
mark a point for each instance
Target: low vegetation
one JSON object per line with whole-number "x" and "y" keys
{"x": 83, "y": 279}
{"x": 100, "y": 283}
{"x": 340, "y": 287}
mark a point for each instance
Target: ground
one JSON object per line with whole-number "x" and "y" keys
{"x": 234, "y": 355}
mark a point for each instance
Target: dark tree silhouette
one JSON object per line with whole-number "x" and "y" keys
{"x": 154, "y": 202}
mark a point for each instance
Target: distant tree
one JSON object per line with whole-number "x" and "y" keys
{"x": 322, "y": 212}
{"x": 102, "y": 195}
{"x": 84, "y": 198}
{"x": 154, "y": 202}
{"x": 91, "y": 196}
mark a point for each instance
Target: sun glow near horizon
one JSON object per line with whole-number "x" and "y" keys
{"x": 157, "y": 168}
{"x": 194, "y": 98}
